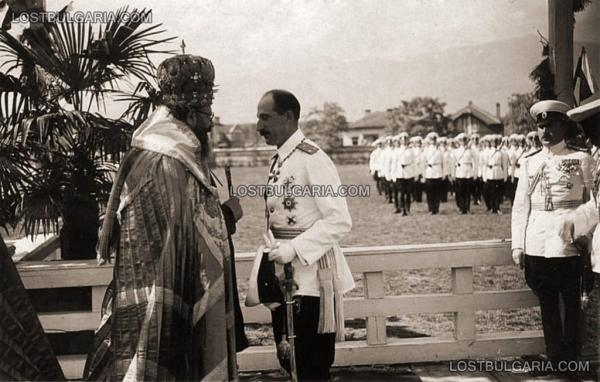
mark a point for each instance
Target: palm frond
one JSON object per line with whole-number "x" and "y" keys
{"x": 142, "y": 102}
{"x": 125, "y": 47}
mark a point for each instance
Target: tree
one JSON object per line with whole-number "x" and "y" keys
{"x": 518, "y": 120}
{"x": 60, "y": 154}
{"x": 421, "y": 114}
{"x": 324, "y": 125}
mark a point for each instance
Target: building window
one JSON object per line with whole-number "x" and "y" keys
{"x": 354, "y": 141}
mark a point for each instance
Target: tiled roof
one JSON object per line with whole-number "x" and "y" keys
{"x": 478, "y": 113}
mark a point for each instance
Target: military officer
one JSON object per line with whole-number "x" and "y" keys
{"x": 386, "y": 163}
{"x": 465, "y": 170}
{"x": 553, "y": 181}
{"x": 374, "y": 164}
{"x": 433, "y": 165}
{"x": 477, "y": 190}
{"x": 416, "y": 143}
{"x": 308, "y": 229}
{"x": 495, "y": 173}
{"x": 585, "y": 218}
{"x": 448, "y": 167}
{"x": 404, "y": 173}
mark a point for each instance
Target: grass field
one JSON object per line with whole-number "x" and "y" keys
{"x": 374, "y": 223}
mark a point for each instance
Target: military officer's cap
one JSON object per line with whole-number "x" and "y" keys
{"x": 474, "y": 136}
{"x": 513, "y": 137}
{"x": 403, "y": 134}
{"x": 588, "y": 108}
{"x": 461, "y": 137}
{"x": 549, "y": 110}
{"x": 521, "y": 137}
{"x": 531, "y": 134}
{"x": 443, "y": 140}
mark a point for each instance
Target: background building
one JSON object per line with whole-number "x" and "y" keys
{"x": 472, "y": 119}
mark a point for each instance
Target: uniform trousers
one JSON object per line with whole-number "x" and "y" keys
{"x": 445, "y": 190}
{"x": 494, "y": 194}
{"x": 418, "y": 190}
{"x": 404, "y": 187}
{"x": 433, "y": 188}
{"x": 315, "y": 352}
{"x": 463, "y": 188}
{"x": 377, "y": 180}
{"x": 514, "y": 184}
{"x": 477, "y": 190}
{"x": 549, "y": 278}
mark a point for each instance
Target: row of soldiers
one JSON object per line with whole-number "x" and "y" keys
{"x": 472, "y": 167}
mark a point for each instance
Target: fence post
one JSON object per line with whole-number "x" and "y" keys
{"x": 374, "y": 289}
{"x": 97, "y": 297}
{"x": 464, "y": 320}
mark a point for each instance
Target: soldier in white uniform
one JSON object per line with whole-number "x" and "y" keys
{"x": 375, "y": 166}
{"x": 433, "y": 165}
{"x": 386, "y": 165}
{"x": 416, "y": 144}
{"x": 495, "y": 173}
{"x": 553, "y": 181}
{"x": 404, "y": 172}
{"x": 465, "y": 170}
{"x": 309, "y": 229}
{"x": 477, "y": 190}
{"x": 448, "y": 166}
{"x": 518, "y": 157}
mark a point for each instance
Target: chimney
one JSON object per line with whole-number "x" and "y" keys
{"x": 498, "y": 111}
{"x": 470, "y": 103}
{"x": 368, "y": 111}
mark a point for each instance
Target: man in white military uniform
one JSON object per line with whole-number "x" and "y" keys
{"x": 416, "y": 146}
{"x": 433, "y": 165}
{"x": 495, "y": 173}
{"x": 404, "y": 173}
{"x": 309, "y": 229}
{"x": 465, "y": 170}
{"x": 375, "y": 164}
{"x": 553, "y": 181}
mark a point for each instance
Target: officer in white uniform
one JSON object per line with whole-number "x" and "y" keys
{"x": 374, "y": 164}
{"x": 517, "y": 162}
{"x": 416, "y": 143}
{"x": 404, "y": 173}
{"x": 433, "y": 165}
{"x": 465, "y": 171}
{"x": 495, "y": 173}
{"x": 553, "y": 181}
{"x": 309, "y": 228}
{"x": 585, "y": 218}
{"x": 477, "y": 190}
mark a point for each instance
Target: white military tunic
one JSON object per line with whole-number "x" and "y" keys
{"x": 324, "y": 219}
{"x": 465, "y": 163}
{"x": 404, "y": 163}
{"x": 563, "y": 180}
{"x": 586, "y": 216}
{"x": 433, "y": 163}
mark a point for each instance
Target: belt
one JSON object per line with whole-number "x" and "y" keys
{"x": 565, "y": 204}
{"x": 286, "y": 233}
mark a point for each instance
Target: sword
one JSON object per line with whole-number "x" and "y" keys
{"x": 289, "y": 284}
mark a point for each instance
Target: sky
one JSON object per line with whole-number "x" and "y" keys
{"x": 301, "y": 45}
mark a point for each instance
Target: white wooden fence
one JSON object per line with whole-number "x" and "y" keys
{"x": 375, "y": 306}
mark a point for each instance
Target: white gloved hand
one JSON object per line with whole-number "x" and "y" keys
{"x": 518, "y": 257}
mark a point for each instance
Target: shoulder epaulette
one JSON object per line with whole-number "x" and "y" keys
{"x": 577, "y": 148}
{"x": 307, "y": 148}
{"x": 533, "y": 153}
